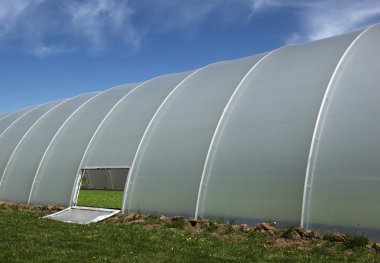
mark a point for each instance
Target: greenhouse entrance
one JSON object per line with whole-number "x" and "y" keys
{"x": 102, "y": 187}
{"x": 100, "y": 196}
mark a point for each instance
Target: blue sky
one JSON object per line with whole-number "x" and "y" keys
{"x": 52, "y": 49}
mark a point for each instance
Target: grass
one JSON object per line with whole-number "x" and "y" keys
{"x": 25, "y": 237}
{"x": 100, "y": 198}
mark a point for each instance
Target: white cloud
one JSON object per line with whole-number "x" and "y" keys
{"x": 54, "y": 27}
{"x": 98, "y": 19}
{"x": 12, "y": 11}
{"x": 323, "y": 18}
{"x": 43, "y": 51}
{"x": 329, "y": 20}
{"x": 177, "y": 14}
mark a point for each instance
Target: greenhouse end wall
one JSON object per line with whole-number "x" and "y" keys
{"x": 291, "y": 135}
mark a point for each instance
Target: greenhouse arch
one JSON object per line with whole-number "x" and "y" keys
{"x": 291, "y": 135}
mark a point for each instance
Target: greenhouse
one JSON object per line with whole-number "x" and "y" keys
{"x": 291, "y": 135}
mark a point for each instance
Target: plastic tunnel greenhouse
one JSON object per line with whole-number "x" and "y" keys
{"x": 291, "y": 135}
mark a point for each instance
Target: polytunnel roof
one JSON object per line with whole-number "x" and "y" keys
{"x": 291, "y": 135}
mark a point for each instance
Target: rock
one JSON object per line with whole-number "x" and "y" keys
{"x": 370, "y": 245}
{"x": 131, "y": 216}
{"x": 265, "y": 227}
{"x": 50, "y": 207}
{"x": 295, "y": 235}
{"x": 348, "y": 252}
{"x": 300, "y": 231}
{"x": 163, "y": 218}
{"x": 136, "y": 222}
{"x": 313, "y": 234}
{"x": 243, "y": 227}
{"x": 308, "y": 234}
{"x": 318, "y": 235}
{"x": 377, "y": 246}
{"x": 340, "y": 237}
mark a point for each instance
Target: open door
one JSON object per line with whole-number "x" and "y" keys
{"x": 100, "y": 196}
{"x": 82, "y": 214}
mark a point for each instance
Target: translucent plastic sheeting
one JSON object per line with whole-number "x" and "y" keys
{"x": 116, "y": 142}
{"x": 168, "y": 167}
{"x": 99, "y": 179}
{"x": 118, "y": 178}
{"x": 22, "y": 167}
{"x": 10, "y": 118}
{"x": 110, "y": 178}
{"x": 57, "y": 173}
{"x": 345, "y": 183}
{"x": 257, "y": 164}
{"x": 11, "y": 137}
{"x": 3, "y": 115}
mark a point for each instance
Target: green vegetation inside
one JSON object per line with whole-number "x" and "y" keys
{"x": 25, "y": 237}
{"x": 100, "y": 198}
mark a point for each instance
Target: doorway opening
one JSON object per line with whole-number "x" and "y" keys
{"x": 100, "y": 196}
{"x": 102, "y": 187}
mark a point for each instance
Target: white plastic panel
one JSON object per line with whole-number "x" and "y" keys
{"x": 345, "y": 181}
{"x": 57, "y": 174}
{"x": 82, "y": 215}
{"x": 18, "y": 177}
{"x": 11, "y": 137}
{"x": 6, "y": 121}
{"x": 257, "y": 164}
{"x": 116, "y": 142}
{"x": 167, "y": 170}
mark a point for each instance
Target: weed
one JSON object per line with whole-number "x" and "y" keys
{"x": 329, "y": 236}
{"x": 154, "y": 216}
{"x": 229, "y": 229}
{"x": 220, "y": 220}
{"x": 355, "y": 241}
{"x": 121, "y": 219}
{"x": 288, "y": 232}
{"x": 210, "y": 225}
{"x": 178, "y": 223}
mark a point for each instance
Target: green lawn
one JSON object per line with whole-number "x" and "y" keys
{"x": 100, "y": 198}
{"x": 25, "y": 237}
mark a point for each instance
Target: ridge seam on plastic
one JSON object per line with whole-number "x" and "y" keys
{"x": 20, "y": 117}
{"x": 152, "y": 120}
{"x": 54, "y": 137}
{"x": 75, "y": 190}
{"x": 317, "y": 130}
{"x": 23, "y": 138}
{"x": 6, "y": 115}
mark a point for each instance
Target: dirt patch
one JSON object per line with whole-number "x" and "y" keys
{"x": 25, "y": 207}
{"x": 267, "y": 232}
